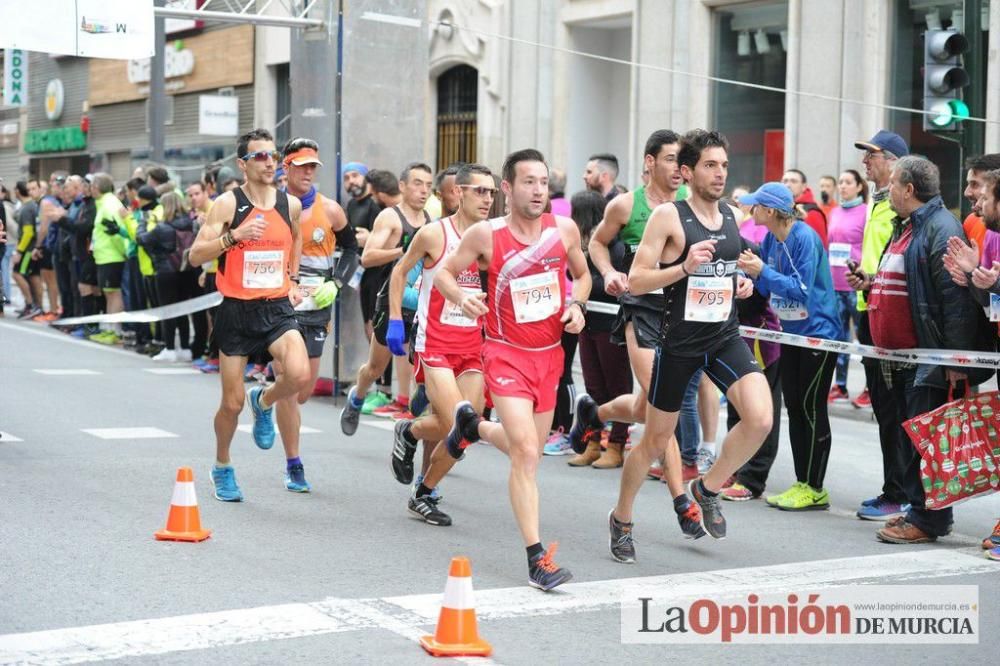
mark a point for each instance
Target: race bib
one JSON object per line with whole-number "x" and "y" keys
{"x": 994, "y": 307}
{"x": 308, "y": 284}
{"x": 709, "y": 299}
{"x": 536, "y": 297}
{"x": 451, "y": 313}
{"x": 788, "y": 310}
{"x": 840, "y": 253}
{"x": 263, "y": 269}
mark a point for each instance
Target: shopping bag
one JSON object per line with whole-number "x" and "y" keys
{"x": 959, "y": 448}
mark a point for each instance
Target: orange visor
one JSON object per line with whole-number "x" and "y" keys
{"x": 303, "y": 156}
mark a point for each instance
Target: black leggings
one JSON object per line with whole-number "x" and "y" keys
{"x": 562, "y": 417}
{"x": 188, "y": 289}
{"x": 168, "y": 288}
{"x": 806, "y": 376}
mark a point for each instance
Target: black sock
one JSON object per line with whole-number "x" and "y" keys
{"x": 624, "y": 524}
{"x": 703, "y": 490}
{"x": 534, "y": 551}
{"x": 408, "y": 436}
{"x": 681, "y": 502}
{"x": 423, "y": 491}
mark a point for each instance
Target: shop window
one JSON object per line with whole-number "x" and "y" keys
{"x": 458, "y": 90}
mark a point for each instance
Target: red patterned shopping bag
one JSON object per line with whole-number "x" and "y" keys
{"x": 959, "y": 449}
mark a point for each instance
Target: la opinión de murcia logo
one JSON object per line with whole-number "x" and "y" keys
{"x": 98, "y": 28}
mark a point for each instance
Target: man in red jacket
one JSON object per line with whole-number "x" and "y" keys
{"x": 805, "y": 202}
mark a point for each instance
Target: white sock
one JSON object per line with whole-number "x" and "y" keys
{"x": 709, "y": 446}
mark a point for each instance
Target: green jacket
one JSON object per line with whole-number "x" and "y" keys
{"x": 107, "y": 248}
{"x": 148, "y": 218}
{"x": 878, "y": 232}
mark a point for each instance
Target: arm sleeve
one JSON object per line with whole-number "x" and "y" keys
{"x": 349, "y": 257}
{"x": 27, "y": 238}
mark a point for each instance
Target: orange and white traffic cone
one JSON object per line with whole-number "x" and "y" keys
{"x": 456, "y": 633}
{"x": 183, "y": 521}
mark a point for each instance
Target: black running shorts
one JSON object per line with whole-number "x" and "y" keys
{"x": 249, "y": 328}
{"x": 730, "y": 362}
{"x": 109, "y": 276}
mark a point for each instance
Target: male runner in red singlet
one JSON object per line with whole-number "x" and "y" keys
{"x": 448, "y": 345}
{"x": 254, "y": 232}
{"x": 324, "y": 227}
{"x": 526, "y": 255}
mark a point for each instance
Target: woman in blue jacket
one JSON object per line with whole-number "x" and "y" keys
{"x": 793, "y": 272}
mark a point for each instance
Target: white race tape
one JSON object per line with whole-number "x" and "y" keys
{"x": 951, "y": 357}
{"x": 153, "y": 314}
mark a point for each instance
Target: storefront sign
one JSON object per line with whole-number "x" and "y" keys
{"x": 208, "y": 61}
{"x": 9, "y": 133}
{"x": 54, "y": 140}
{"x": 219, "y": 115}
{"x": 15, "y": 77}
{"x": 55, "y": 97}
{"x": 85, "y": 28}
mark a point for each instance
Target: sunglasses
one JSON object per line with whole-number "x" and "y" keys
{"x": 262, "y": 155}
{"x": 480, "y": 190}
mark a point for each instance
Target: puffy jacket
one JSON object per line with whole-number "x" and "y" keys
{"x": 161, "y": 241}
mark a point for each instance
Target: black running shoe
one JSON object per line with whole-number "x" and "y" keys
{"x": 712, "y": 519}
{"x": 586, "y": 424}
{"x": 545, "y": 574}
{"x": 690, "y": 520}
{"x": 350, "y": 415}
{"x": 402, "y": 453}
{"x": 426, "y": 509}
{"x": 621, "y": 543}
{"x": 465, "y": 431}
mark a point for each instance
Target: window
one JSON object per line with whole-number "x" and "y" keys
{"x": 458, "y": 90}
{"x": 282, "y": 106}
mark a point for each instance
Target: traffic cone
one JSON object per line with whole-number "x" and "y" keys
{"x": 456, "y": 633}
{"x": 183, "y": 521}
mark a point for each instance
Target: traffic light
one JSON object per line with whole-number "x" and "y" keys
{"x": 944, "y": 78}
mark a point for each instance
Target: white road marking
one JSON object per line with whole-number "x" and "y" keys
{"x": 42, "y": 333}
{"x": 172, "y": 371}
{"x": 65, "y": 372}
{"x": 129, "y": 433}
{"x": 409, "y": 615}
{"x": 303, "y": 430}
{"x": 7, "y": 437}
{"x": 381, "y": 424}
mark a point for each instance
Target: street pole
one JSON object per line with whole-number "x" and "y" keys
{"x": 974, "y": 133}
{"x": 157, "y": 90}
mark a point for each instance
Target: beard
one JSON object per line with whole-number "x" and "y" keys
{"x": 355, "y": 191}
{"x": 992, "y": 222}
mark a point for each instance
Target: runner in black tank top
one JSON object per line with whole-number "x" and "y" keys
{"x": 690, "y": 250}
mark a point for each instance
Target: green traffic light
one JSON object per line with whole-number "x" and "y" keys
{"x": 959, "y": 109}
{"x": 947, "y": 113}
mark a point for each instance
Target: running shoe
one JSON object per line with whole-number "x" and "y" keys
{"x": 109, "y": 338}
{"x": 863, "y": 401}
{"x": 78, "y": 333}
{"x": 586, "y": 424}
{"x": 557, "y": 444}
{"x": 838, "y": 394}
{"x": 689, "y": 470}
{"x": 184, "y": 355}
{"x": 426, "y": 509}
{"x": 295, "y": 479}
{"x": 263, "y": 419}
{"x": 738, "y": 493}
{"x": 655, "y": 471}
{"x": 419, "y": 402}
{"x": 405, "y": 415}
{"x": 620, "y": 543}
{"x": 544, "y": 573}
{"x": 993, "y": 540}
{"x": 704, "y": 461}
{"x": 881, "y": 509}
{"x": 689, "y": 519}
{"x": 435, "y": 495}
{"x": 210, "y": 367}
{"x": 373, "y": 401}
{"x": 351, "y": 413}
{"x": 29, "y": 312}
{"x": 773, "y": 500}
{"x": 993, "y": 554}
{"x": 226, "y": 488}
{"x": 807, "y": 499}
{"x": 166, "y": 356}
{"x": 386, "y": 411}
{"x": 465, "y": 431}
{"x": 711, "y": 518}
{"x": 402, "y": 453}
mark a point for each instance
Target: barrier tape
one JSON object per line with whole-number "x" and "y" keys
{"x": 151, "y": 315}
{"x": 950, "y": 357}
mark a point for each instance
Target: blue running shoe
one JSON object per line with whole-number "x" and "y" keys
{"x": 465, "y": 430}
{"x": 226, "y": 488}
{"x": 295, "y": 479}
{"x": 587, "y": 425}
{"x": 882, "y": 509}
{"x": 263, "y": 420}
{"x": 78, "y": 333}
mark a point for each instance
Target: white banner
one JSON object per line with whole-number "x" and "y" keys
{"x": 15, "y": 77}
{"x": 121, "y": 29}
{"x": 219, "y": 115}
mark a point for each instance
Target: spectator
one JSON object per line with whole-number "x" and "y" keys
{"x": 27, "y": 272}
{"x": 499, "y": 207}
{"x": 749, "y": 228}
{"x": 83, "y": 232}
{"x": 3, "y": 255}
{"x": 140, "y": 287}
{"x": 71, "y": 198}
{"x": 109, "y": 252}
{"x": 50, "y": 211}
{"x": 976, "y": 168}
{"x": 828, "y": 186}
{"x": 805, "y": 202}
{"x": 447, "y": 195}
{"x": 6, "y": 259}
{"x": 600, "y": 175}
{"x": 557, "y": 193}
{"x": 847, "y": 228}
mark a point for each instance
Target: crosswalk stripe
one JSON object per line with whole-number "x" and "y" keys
{"x": 172, "y": 371}
{"x": 129, "y": 433}
{"x": 66, "y": 372}
{"x": 303, "y": 430}
{"x": 404, "y": 614}
{"x": 7, "y": 437}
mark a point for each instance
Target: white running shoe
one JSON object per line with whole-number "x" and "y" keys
{"x": 166, "y": 356}
{"x": 705, "y": 460}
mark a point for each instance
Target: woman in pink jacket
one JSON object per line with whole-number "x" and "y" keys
{"x": 847, "y": 227}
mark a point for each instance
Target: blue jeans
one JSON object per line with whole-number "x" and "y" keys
{"x": 688, "y": 425}
{"x": 5, "y": 262}
{"x": 847, "y": 308}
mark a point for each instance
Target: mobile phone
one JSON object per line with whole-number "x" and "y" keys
{"x": 852, "y": 266}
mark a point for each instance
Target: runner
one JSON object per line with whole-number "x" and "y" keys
{"x": 526, "y": 255}
{"x": 638, "y": 324}
{"x": 448, "y": 345}
{"x": 254, "y": 232}
{"x": 323, "y": 226}
{"x": 689, "y": 249}
{"x": 394, "y": 229}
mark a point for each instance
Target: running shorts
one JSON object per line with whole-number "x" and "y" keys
{"x": 249, "y": 328}
{"x": 88, "y": 272}
{"x": 28, "y": 267}
{"x": 109, "y": 276}
{"x": 730, "y": 362}
{"x": 459, "y": 364}
{"x": 315, "y": 337}
{"x": 514, "y": 372}
{"x": 646, "y": 314}
{"x": 381, "y": 325}
{"x": 45, "y": 263}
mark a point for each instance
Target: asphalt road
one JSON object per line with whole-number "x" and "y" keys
{"x": 344, "y": 575}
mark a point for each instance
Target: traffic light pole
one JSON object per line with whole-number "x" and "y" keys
{"x": 974, "y": 133}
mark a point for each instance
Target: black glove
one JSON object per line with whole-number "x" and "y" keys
{"x": 111, "y": 227}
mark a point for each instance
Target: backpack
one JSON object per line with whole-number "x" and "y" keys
{"x": 182, "y": 247}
